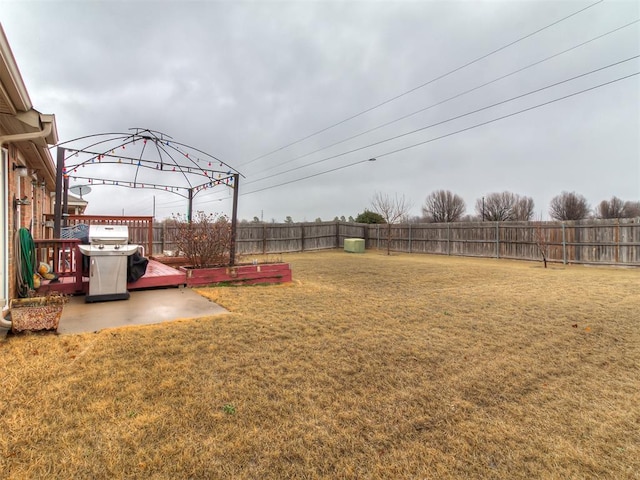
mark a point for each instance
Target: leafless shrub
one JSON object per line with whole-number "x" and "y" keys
{"x": 206, "y": 240}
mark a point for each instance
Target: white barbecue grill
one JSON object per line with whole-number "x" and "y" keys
{"x": 108, "y": 252}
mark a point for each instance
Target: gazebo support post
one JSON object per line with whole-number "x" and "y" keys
{"x": 234, "y": 220}
{"x": 190, "y": 206}
{"x": 65, "y": 201}
{"x": 57, "y": 218}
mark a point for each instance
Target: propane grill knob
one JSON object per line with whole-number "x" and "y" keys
{"x": 101, "y": 246}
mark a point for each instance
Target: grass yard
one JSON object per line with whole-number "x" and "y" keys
{"x": 367, "y": 366}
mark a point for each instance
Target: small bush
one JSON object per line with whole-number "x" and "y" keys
{"x": 206, "y": 240}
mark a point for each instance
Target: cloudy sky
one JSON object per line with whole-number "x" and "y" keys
{"x": 252, "y": 83}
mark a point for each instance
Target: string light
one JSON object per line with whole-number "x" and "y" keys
{"x": 195, "y": 168}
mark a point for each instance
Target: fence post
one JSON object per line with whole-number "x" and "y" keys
{"x": 410, "y": 238}
{"x": 337, "y": 234}
{"x": 163, "y": 237}
{"x": 150, "y": 236}
{"x": 302, "y": 237}
{"x": 497, "y": 239}
{"x": 264, "y": 238}
{"x": 378, "y": 246}
{"x": 617, "y": 240}
{"x": 564, "y": 246}
{"x": 448, "y": 239}
{"x": 365, "y": 234}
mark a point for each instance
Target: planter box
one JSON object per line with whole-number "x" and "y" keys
{"x": 35, "y": 314}
{"x": 238, "y": 275}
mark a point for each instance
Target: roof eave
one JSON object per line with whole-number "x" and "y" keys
{"x": 14, "y": 84}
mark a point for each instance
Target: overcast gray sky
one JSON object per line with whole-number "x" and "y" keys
{"x": 242, "y": 79}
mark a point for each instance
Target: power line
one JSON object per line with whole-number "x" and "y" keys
{"x": 450, "y": 119}
{"x": 424, "y": 84}
{"x": 386, "y": 124}
{"x": 433, "y": 125}
{"x": 445, "y": 135}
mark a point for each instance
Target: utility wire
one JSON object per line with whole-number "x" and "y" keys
{"x": 450, "y": 98}
{"x": 445, "y": 135}
{"x": 433, "y": 124}
{"x": 478, "y": 59}
{"x": 450, "y": 119}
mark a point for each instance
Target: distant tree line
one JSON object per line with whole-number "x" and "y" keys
{"x": 443, "y": 206}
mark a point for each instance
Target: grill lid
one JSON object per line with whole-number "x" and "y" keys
{"x": 108, "y": 234}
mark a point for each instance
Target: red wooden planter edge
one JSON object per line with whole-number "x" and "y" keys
{"x": 241, "y": 274}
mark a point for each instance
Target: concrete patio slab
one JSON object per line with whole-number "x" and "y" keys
{"x": 144, "y": 307}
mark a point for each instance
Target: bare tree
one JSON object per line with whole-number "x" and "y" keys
{"x": 541, "y": 241}
{"x": 392, "y": 210}
{"x": 616, "y": 208}
{"x": 631, "y": 209}
{"x": 504, "y": 206}
{"x": 569, "y": 206}
{"x": 443, "y": 206}
{"x": 523, "y": 208}
{"x": 496, "y": 207}
{"x": 613, "y": 208}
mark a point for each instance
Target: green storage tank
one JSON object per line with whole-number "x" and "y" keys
{"x": 354, "y": 245}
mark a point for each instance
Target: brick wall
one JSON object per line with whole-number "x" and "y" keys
{"x": 26, "y": 215}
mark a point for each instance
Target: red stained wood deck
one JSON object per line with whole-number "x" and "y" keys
{"x": 157, "y": 275}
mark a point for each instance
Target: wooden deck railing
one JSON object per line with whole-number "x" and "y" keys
{"x": 64, "y": 257}
{"x": 140, "y": 228}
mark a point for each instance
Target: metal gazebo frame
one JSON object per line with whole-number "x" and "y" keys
{"x": 172, "y": 156}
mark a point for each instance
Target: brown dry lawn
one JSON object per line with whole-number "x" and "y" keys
{"x": 367, "y": 366}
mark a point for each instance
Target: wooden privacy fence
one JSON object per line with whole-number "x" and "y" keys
{"x": 265, "y": 238}
{"x": 600, "y": 242}
{"x": 597, "y": 242}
